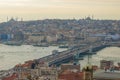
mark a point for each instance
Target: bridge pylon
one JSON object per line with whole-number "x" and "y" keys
{"x": 76, "y": 59}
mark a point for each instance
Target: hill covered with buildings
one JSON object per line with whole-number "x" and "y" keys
{"x": 58, "y": 31}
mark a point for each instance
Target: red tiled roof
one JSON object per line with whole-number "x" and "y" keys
{"x": 12, "y": 77}
{"x": 67, "y": 75}
{"x": 26, "y": 64}
{"x": 95, "y": 67}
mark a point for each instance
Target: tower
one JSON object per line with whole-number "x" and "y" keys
{"x": 16, "y": 19}
{"x": 92, "y": 17}
{"x": 88, "y": 73}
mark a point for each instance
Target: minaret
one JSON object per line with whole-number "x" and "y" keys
{"x": 92, "y": 17}
{"x": 21, "y": 19}
{"x": 7, "y": 19}
{"x": 16, "y": 18}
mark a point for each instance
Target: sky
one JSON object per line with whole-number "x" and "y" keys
{"x": 59, "y": 9}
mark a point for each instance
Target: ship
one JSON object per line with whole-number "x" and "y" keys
{"x": 12, "y": 43}
{"x": 41, "y": 45}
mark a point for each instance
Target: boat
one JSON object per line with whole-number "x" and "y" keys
{"x": 13, "y": 43}
{"x": 63, "y": 46}
{"x": 41, "y": 45}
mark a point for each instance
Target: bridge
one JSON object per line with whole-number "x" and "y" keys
{"x": 68, "y": 55}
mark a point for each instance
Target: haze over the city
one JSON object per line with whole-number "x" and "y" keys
{"x": 63, "y": 9}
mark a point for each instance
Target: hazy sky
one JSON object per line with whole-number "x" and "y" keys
{"x": 42, "y": 9}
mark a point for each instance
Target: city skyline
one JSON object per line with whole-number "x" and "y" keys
{"x": 62, "y": 9}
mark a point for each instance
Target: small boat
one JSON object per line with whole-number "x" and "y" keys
{"x": 63, "y": 46}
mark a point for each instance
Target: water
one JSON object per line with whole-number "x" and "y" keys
{"x": 12, "y": 55}
{"x": 109, "y": 53}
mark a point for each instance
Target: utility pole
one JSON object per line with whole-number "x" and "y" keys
{"x": 88, "y": 71}
{"x": 89, "y": 56}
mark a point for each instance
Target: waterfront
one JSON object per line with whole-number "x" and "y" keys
{"x": 12, "y": 55}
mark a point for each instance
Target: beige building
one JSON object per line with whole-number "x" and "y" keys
{"x": 36, "y": 37}
{"x": 93, "y": 39}
{"x": 48, "y": 73}
{"x": 51, "y": 38}
{"x": 44, "y": 72}
{"x": 106, "y": 64}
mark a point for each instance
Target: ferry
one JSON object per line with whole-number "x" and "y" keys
{"x": 13, "y": 43}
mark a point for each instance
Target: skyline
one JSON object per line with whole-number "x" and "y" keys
{"x": 59, "y": 9}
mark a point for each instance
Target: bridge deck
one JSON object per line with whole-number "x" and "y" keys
{"x": 68, "y": 53}
{"x": 54, "y": 58}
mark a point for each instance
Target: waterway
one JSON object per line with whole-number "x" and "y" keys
{"x": 12, "y": 55}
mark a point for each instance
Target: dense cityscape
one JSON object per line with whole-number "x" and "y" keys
{"x": 59, "y": 40}
{"x": 57, "y": 31}
{"x": 80, "y": 37}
